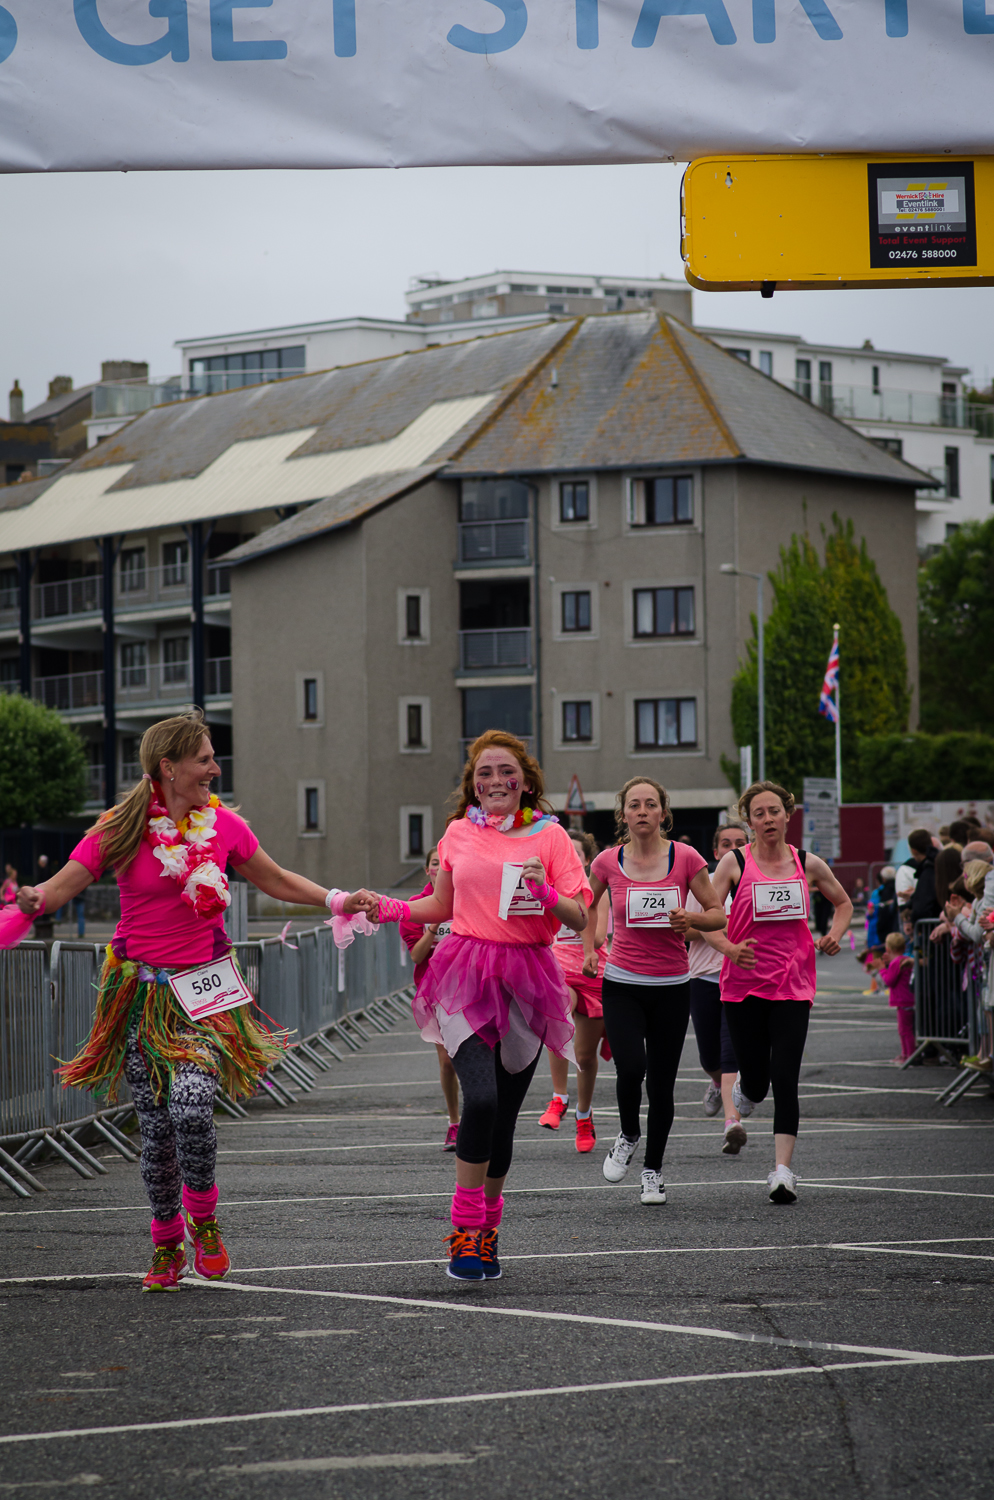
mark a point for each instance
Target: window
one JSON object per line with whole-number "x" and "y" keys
{"x": 576, "y": 610}
{"x": 667, "y": 501}
{"x": 951, "y": 528}
{"x": 131, "y": 570}
{"x": 10, "y": 593}
{"x": 745, "y": 355}
{"x": 890, "y": 445}
{"x": 225, "y": 372}
{"x": 507, "y": 708}
{"x": 176, "y": 659}
{"x": 310, "y": 699}
{"x": 662, "y": 612}
{"x": 493, "y": 515}
{"x": 875, "y": 376}
{"x": 578, "y": 722}
{"x": 574, "y": 500}
{"x": 134, "y": 664}
{"x": 312, "y": 809}
{"x": 952, "y": 473}
{"x": 661, "y": 723}
{"x": 414, "y": 725}
{"x": 415, "y": 732}
{"x": 766, "y": 361}
{"x": 802, "y": 378}
{"x": 10, "y": 674}
{"x": 825, "y": 384}
{"x": 412, "y": 617}
{"x": 311, "y": 709}
{"x": 415, "y": 833}
{"x": 175, "y": 564}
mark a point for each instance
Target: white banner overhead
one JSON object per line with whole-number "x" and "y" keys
{"x": 100, "y": 85}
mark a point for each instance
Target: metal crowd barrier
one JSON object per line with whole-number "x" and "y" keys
{"x": 948, "y": 1006}
{"x": 329, "y": 1001}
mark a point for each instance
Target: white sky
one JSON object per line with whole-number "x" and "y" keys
{"x": 116, "y": 266}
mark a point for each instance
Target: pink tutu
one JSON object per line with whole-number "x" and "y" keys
{"x": 512, "y": 993}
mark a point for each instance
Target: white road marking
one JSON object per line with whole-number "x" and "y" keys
{"x": 336, "y": 1463}
{"x": 484, "y": 1397}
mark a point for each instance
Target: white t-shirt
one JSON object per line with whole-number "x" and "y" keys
{"x": 904, "y": 883}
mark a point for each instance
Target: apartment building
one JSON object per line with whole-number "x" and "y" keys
{"x": 526, "y": 531}
{"x": 912, "y": 405}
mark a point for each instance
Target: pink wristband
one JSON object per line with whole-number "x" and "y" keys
{"x": 546, "y": 895}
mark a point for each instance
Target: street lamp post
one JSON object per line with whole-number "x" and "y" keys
{"x": 745, "y": 573}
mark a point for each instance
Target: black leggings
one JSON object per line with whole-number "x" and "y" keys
{"x": 646, "y": 1025}
{"x": 768, "y": 1037}
{"x": 714, "y": 1045}
{"x": 179, "y": 1142}
{"x": 491, "y": 1099}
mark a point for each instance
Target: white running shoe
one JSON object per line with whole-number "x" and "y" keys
{"x": 744, "y": 1106}
{"x": 653, "y": 1187}
{"x": 712, "y": 1100}
{"x": 735, "y": 1139}
{"x": 782, "y": 1185}
{"x": 618, "y": 1159}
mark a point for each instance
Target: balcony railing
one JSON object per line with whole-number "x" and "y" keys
{"x": 855, "y": 403}
{"x": 134, "y": 588}
{"x": 484, "y": 650}
{"x": 148, "y": 683}
{"x": 493, "y": 541}
{"x": 95, "y": 784}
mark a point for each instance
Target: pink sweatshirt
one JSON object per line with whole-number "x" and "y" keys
{"x": 897, "y": 978}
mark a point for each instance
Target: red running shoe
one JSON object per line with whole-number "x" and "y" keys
{"x": 168, "y": 1269}
{"x": 586, "y": 1135}
{"x": 449, "y": 1144}
{"x": 553, "y": 1115}
{"x": 210, "y": 1258}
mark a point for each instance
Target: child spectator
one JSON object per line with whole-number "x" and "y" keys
{"x": 897, "y": 977}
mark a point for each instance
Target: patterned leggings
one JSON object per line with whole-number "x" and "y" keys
{"x": 179, "y": 1142}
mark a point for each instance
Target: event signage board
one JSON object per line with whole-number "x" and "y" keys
{"x": 798, "y": 222}
{"x": 821, "y": 816}
{"x": 97, "y": 85}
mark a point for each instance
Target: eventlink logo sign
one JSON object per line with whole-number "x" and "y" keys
{"x": 174, "y": 42}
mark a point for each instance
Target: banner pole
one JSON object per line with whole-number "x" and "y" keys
{"x": 838, "y": 723}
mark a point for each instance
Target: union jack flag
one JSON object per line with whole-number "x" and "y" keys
{"x": 827, "y": 705}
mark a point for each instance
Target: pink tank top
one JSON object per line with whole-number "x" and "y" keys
{"x": 774, "y": 914}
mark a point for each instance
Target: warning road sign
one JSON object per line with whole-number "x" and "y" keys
{"x": 574, "y": 797}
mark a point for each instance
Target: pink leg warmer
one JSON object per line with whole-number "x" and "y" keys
{"x": 494, "y": 1210}
{"x": 200, "y": 1205}
{"x": 168, "y": 1231}
{"x": 468, "y": 1211}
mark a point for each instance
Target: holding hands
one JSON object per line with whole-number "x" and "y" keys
{"x": 30, "y": 900}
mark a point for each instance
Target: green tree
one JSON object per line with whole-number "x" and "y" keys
{"x": 809, "y": 596}
{"x": 42, "y": 764}
{"x": 956, "y": 631}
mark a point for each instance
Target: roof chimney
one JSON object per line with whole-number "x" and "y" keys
{"x": 17, "y": 403}
{"x": 61, "y": 385}
{"x": 124, "y": 369}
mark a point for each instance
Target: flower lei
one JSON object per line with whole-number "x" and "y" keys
{"x": 185, "y": 854}
{"x": 521, "y": 819}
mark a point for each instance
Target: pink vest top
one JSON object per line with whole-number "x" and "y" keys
{"x": 784, "y": 947}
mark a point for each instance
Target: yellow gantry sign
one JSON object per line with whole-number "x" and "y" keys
{"x": 781, "y": 222}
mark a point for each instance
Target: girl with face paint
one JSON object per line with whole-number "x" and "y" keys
{"x": 492, "y": 994}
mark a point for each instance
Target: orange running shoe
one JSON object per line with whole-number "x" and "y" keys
{"x": 586, "y": 1135}
{"x": 210, "y": 1258}
{"x": 168, "y": 1269}
{"x": 488, "y": 1255}
{"x": 465, "y": 1257}
{"x": 553, "y": 1115}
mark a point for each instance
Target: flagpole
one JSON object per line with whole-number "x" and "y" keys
{"x": 838, "y": 724}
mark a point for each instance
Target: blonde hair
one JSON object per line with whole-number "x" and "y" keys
{"x": 620, "y": 826}
{"x": 500, "y": 739}
{"x": 975, "y": 872}
{"x": 894, "y": 942}
{"x": 774, "y": 788}
{"x": 122, "y": 827}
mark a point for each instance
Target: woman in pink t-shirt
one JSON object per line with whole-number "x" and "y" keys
{"x": 646, "y": 990}
{"x": 169, "y": 841}
{"x": 768, "y": 977}
{"x": 493, "y": 993}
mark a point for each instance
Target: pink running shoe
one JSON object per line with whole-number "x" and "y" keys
{"x": 586, "y": 1135}
{"x": 554, "y": 1114}
{"x": 210, "y": 1258}
{"x": 449, "y": 1144}
{"x": 168, "y": 1269}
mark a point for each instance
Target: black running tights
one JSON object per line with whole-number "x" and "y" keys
{"x": 491, "y": 1098}
{"x": 646, "y": 1025}
{"x": 179, "y": 1142}
{"x": 768, "y": 1037}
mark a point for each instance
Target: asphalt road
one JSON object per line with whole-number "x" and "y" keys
{"x": 718, "y": 1346}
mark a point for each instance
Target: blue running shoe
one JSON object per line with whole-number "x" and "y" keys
{"x": 465, "y": 1261}
{"x": 488, "y": 1255}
